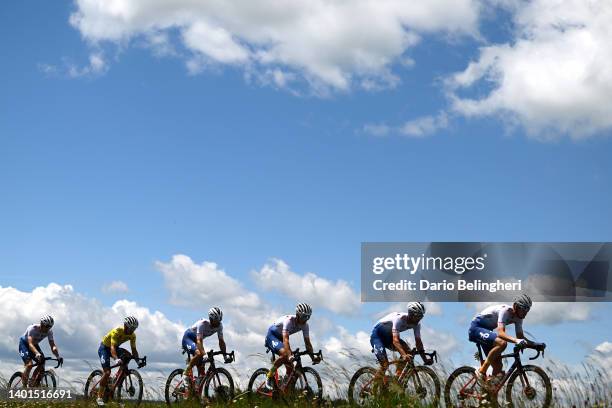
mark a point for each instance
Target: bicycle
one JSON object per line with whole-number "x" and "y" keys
{"x": 125, "y": 385}
{"x": 213, "y": 385}
{"x": 39, "y": 377}
{"x": 290, "y": 386}
{"x": 368, "y": 383}
{"x": 533, "y": 388}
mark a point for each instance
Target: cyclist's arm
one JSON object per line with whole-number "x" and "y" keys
{"x": 519, "y": 333}
{"x": 286, "y": 344}
{"x": 398, "y": 345}
{"x": 133, "y": 347}
{"x": 308, "y": 344}
{"x": 54, "y": 348}
{"x": 31, "y": 345}
{"x": 419, "y": 344}
{"x": 501, "y": 333}
{"x": 222, "y": 345}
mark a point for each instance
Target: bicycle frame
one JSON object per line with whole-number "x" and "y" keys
{"x": 516, "y": 365}
{"x": 39, "y": 369}
{"x": 120, "y": 374}
{"x": 296, "y": 364}
{"x": 202, "y": 372}
{"x": 408, "y": 367}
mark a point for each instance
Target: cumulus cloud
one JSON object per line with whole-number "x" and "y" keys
{"x": 97, "y": 65}
{"x": 336, "y": 296}
{"x": 323, "y": 41}
{"x": 546, "y": 313}
{"x": 115, "y": 287}
{"x": 554, "y": 78}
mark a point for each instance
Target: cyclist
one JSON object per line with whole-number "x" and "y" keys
{"x": 488, "y": 328}
{"x": 194, "y": 336}
{"x": 109, "y": 347}
{"x": 386, "y": 335}
{"x": 277, "y": 339}
{"x": 29, "y": 346}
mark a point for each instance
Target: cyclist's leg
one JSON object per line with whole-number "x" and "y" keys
{"x": 27, "y": 358}
{"x": 189, "y": 345}
{"x": 380, "y": 350}
{"x": 400, "y": 365}
{"x": 275, "y": 344}
{"x": 105, "y": 355}
{"x": 491, "y": 345}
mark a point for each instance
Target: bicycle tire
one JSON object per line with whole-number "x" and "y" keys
{"x": 254, "y": 390}
{"x": 87, "y": 394}
{"x": 225, "y": 395}
{"x": 15, "y": 377}
{"x": 310, "y": 396}
{"x": 120, "y": 387}
{"x": 449, "y": 383}
{"x": 353, "y": 382}
{"x": 540, "y": 372}
{"x": 167, "y": 392}
{"x": 48, "y": 375}
{"x": 420, "y": 392}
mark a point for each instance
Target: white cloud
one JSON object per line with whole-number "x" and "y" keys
{"x": 554, "y": 78}
{"x": 96, "y": 65}
{"x": 115, "y": 287}
{"x": 336, "y": 296}
{"x": 415, "y": 128}
{"x": 192, "y": 284}
{"x": 550, "y": 313}
{"x": 323, "y": 41}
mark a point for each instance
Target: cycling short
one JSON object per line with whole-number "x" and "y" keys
{"x": 25, "y": 352}
{"x": 381, "y": 339}
{"x": 273, "y": 341}
{"x": 484, "y": 337}
{"x": 189, "y": 342}
{"x": 104, "y": 353}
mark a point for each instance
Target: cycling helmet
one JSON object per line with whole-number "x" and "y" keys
{"x": 416, "y": 309}
{"x": 523, "y": 302}
{"x": 215, "y": 314}
{"x": 303, "y": 310}
{"x": 131, "y": 322}
{"x": 47, "y": 321}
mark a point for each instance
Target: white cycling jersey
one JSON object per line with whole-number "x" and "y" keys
{"x": 289, "y": 324}
{"x": 202, "y": 328}
{"x": 490, "y": 317}
{"x": 36, "y": 333}
{"x": 397, "y": 322}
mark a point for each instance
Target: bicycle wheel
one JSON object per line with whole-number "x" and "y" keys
{"x": 533, "y": 388}
{"x": 307, "y": 384}
{"x": 363, "y": 387}
{"x": 48, "y": 380}
{"x": 130, "y": 387}
{"x": 257, "y": 385}
{"x": 462, "y": 390}
{"x": 15, "y": 382}
{"x": 92, "y": 385}
{"x": 176, "y": 391}
{"x": 423, "y": 384}
{"x": 219, "y": 386}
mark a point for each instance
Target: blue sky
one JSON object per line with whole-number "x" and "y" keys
{"x": 104, "y": 172}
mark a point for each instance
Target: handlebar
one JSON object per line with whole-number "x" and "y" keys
{"x": 140, "y": 362}
{"x": 539, "y": 347}
{"x": 60, "y": 361}
{"x": 211, "y": 354}
{"x": 318, "y": 356}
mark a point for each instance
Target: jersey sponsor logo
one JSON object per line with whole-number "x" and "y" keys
{"x": 275, "y": 343}
{"x": 484, "y": 335}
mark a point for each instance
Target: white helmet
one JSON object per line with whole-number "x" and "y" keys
{"x": 416, "y": 309}
{"x": 131, "y": 322}
{"x": 215, "y": 314}
{"x": 523, "y": 302}
{"x": 47, "y": 321}
{"x": 303, "y": 310}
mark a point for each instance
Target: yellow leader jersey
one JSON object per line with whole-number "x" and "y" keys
{"x": 117, "y": 336}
